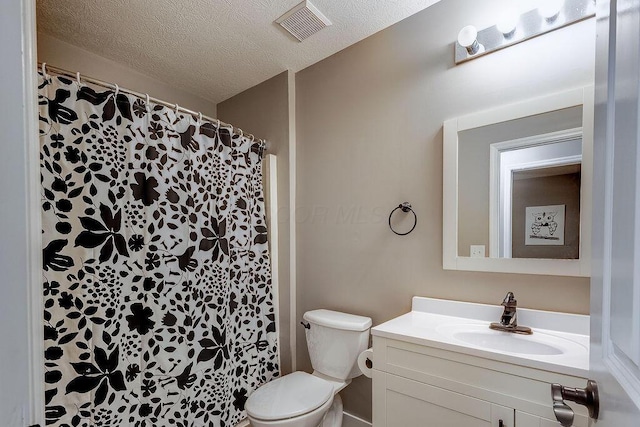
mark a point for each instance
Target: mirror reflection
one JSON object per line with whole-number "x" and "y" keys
{"x": 519, "y": 187}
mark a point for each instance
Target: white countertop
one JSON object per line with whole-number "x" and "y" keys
{"x": 431, "y": 321}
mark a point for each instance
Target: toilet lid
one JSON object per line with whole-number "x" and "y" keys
{"x": 293, "y": 395}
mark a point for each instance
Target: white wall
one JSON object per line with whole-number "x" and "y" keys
{"x": 15, "y": 214}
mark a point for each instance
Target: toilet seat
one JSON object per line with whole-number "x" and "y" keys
{"x": 290, "y": 396}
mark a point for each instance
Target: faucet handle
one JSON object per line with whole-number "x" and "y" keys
{"x": 510, "y": 300}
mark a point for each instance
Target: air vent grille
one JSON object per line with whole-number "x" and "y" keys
{"x": 303, "y": 21}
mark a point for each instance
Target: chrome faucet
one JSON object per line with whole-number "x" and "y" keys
{"x": 509, "y": 318}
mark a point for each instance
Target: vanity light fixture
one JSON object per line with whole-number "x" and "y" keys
{"x": 509, "y": 30}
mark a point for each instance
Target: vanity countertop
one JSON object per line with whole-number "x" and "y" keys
{"x": 559, "y": 343}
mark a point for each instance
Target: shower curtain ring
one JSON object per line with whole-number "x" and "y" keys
{"x": 78, "y": 78}
{"x": 117, "y": 91}
{"x": 200, "y": 117}
{"x": 44, "y": 70}
{"x": 146, "y": 95}
{"x": 218, "y": 124}
{"x": 177, "y": 108}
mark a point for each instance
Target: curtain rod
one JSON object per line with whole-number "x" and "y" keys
{"x": 79, "y": 78}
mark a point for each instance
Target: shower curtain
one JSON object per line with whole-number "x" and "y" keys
{"x": 157, "y": 284}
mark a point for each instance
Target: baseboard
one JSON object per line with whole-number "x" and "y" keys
{"x": 349, "y": 420}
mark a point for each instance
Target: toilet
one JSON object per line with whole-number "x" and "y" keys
{"x": 299, "y": 399}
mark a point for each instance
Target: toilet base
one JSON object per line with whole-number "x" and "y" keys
{"x": 333, "y": 418}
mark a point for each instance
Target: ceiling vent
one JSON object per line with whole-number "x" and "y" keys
{"x": 303, "y": 20}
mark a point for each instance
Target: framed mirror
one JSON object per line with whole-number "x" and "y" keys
{"x": 517, "y": 187}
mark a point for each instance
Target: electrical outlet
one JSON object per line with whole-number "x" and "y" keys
{"x": 476, "y": 251}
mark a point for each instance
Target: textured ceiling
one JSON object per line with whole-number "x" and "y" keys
{"x": 213, "y": 48}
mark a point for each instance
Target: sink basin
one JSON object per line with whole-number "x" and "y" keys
{"x": 480, "y": 336}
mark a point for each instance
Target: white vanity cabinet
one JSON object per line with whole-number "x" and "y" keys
{"x": 419, "y": 385}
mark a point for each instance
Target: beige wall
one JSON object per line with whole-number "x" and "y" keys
{"x": 369, "y": 136}
{"x": 72, "y": 58}
{"x": 264, "y": 110}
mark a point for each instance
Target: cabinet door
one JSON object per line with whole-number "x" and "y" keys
{"x": 527, "y": 420}
{"x": 402, "y": 402}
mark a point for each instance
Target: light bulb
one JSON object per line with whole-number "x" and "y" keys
{"x": 549, "y": 9}
{"x": 468, "y": 38}
{"x": 507, "y": 24}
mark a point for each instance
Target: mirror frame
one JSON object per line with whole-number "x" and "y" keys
{"x": 583, "y": 96}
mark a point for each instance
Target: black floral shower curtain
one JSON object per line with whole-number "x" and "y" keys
{"x": 157, "y": 283}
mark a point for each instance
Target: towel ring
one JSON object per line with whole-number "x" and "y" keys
{"x": 405, "y": 207}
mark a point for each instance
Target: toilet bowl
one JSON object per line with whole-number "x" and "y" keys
{"x": 299, "y": 399}
{"x": 312, "y": 419}
{"x": 295, "y": 400}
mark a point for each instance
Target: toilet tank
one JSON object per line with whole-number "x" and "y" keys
{"x": 335, "y": 340}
